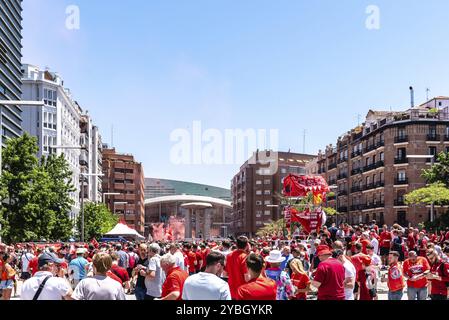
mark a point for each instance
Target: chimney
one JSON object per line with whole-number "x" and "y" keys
{"x": 412, "y": 97}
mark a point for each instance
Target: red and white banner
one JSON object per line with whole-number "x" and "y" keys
{"x": 309, "y": 220}
{"x": 300, "y": 186}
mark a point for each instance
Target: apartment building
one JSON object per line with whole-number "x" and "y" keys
{"x": 371, "y": 167}
{"x": 255, "y": 189}
{"x": 124, "y": 176}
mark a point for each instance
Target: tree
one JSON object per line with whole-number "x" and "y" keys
{"x": 436, "y": 193}
{"x": 61, "y": 186}
{"x": 439, "y": 172}
{"x": 25, "y": 191}
{"x": 98, "y": 220}
{"x": 271, "y": 228}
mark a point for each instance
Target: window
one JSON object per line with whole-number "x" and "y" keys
{"x": 267, "y": 181}
{"x": 401, "y": 132}
{"x": 267, "y": 192}
{"x": 432, "y": 151}
{"x": 259, "y": 223}
{"x": 283, "y": 170}
{"x": 267, "y": 202}
{"x": 432, "y": 130}
{"x": 258, "y": 213}
{"x": 50, "y": 97}
{"x": 258, "y": 203}
{"x": 2, "y": 90}
{"x": 382, "y": 155}
{"x": 401, "y": 175}
{"x": 258, "y": 192}
{"x": 267, "y": 212}
{"x": 401, "y": 153}
{"x": 258, "y": 181}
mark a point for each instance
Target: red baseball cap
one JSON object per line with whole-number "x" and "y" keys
{"x": 322, "y": 250}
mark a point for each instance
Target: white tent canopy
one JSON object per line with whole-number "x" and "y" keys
{"x": 123, "y": 230}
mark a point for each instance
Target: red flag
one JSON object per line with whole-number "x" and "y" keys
{"x": 95, "y": 243}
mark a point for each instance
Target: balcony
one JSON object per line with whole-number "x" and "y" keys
{"x": 356, "y": 153}
{"x": 356, "y": 171}
{"x": 342, "y": 160}
{"x": 400, "y": 181}
{"x": 332, "y": 182}
{"x": 368, "y": 186}
{"x": 321, "y": 170}
{"x": 342, "y": 176}
{"x": 380, "y": 164}
{"x": 380, "y": 144}
{"x": 343, "y": 193}
{"x": 399, "y": 202}
{"x": 342, "y": 209}
{"x": 370, "y": 148}
{"x": 379, "y": 184}
{"x": 376, "y": 205}
{"x": 433, "y": 137}
{"x": 356, "y": 207}
{"x": 369, "y": 167}
{"x": 356, "y": 189}
{"x": 332, "y": 166}
{"x": 446, "y": 137}
{"x": 401, "y": 139}
{"x": 400, "y": 160}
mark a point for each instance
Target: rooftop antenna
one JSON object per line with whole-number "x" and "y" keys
{"x": 359, "y": 116}
{"x": 427, "y": 94}
{"x": 412, "y": 97}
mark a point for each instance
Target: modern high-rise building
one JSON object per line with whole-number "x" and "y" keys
{"x": 255, "y": 189}
{"x": 124, "y": 176}
{"x": 10, "y": 67}
{"x": 371, "y": 167}
{"x": 62, "y": 127}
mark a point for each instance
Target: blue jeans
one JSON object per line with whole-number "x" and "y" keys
{"x": 140, "y": 293}
{"x": 395, "y": 295}
{"x": 417, "y": 293}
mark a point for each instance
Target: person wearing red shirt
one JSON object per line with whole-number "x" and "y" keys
{"x": 364, "y": 241}
{"x": 258, "y": 287}
{"x": 191, "y": 258}
{"x": 118, "y": 271}
{"x": 411, "y": 240}
{"x": 422, "y": 245}
{"x": 199, "y": 258}
{"x": 205, "y": 252}
{"x": 300, "y": 279}
{"x": 33, "y": 265}
{"x": 174, "y": 280}
{"x": 385, "y": 243}
{"x": 236, "y": 266}
{"x": 395, "y": 280}
{"x": 415, "y": 269}
{"x": 329, "y": 277}
{"x": 366, "y": 279}
{"x": 438, "y": 276}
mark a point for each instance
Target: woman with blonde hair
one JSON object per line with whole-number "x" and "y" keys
{"x": 300, "y": 279}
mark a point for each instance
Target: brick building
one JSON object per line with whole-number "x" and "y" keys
{"x": 254, "y": 189}
{"x": 371, "y": 167}
{"x": 123, "y": 175}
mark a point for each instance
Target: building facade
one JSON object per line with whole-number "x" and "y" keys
{"x": 155, "y": 188}
{"x": 124, "y": 176}
{"x": 10, "y": 67}
{"x": 56, "y": 125}
{"x": 255, "y": 189}
{"x": 371, "y": 167}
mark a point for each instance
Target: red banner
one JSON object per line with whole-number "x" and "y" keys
{"x": 309, "y": 220}
{"x": 300, "y": 186}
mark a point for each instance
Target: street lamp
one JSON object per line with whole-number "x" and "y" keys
{"x": 432, "y": 162}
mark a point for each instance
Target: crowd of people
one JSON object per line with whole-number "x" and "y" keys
{"x": 337, "y": 263}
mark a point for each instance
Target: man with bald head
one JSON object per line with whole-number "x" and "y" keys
{"x": 415, "y": 270}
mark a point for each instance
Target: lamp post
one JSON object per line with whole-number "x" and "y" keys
{"x": 22, "y": 103}
{"x": 432, "y": 162}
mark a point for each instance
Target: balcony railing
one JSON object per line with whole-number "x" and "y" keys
{"x": 356, "y": 153}
{"x": 446, "y": 137}
{"x": 332, "y": 166}
{"x": 356, "y": 171}
{"x": 399, "y": 202}
{"x": 369, "y": 167}
{"x": 342, "y": 209}
{"x": 342, "y": 160}
{"x": 433, "y": 137}
{"x": 356, "y": 189}
{"x": 342, "y": 193}
{"x": 368, "y": 186}
{"x": 400, "y": 181}
{"x": 355, "y": 207}
{"x": 400, "y": 160}
{"x": 379, "y": 184}
{"x": 331, "y": 182}
{"x": 380, "y": 144}
{"x": 400, "y": 139}
{"x": 321, "y": 170}
{"x": 370, "y": 148}
{"x": 342, "y": 176}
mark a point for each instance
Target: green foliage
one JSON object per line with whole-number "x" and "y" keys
{"x": 272, "y": 227}
{"x": 440, "y": 223}
{"x": 98, "y": 220}
{"x": 439, "y": 172}
{"x": 436, "y": 193}
{"x": 34, "y": 200}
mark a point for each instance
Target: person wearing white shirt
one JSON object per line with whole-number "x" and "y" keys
{"x": 375, "y": 243}
{"x": 174, "y": 250}
{"x": 207, "y": 285}
{"x": 25, "y": 259}
{"x": 100, "y": 286}
{"x": 53, "y": 288}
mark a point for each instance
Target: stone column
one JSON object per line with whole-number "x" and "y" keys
{"x": 207, "y": 223}
{"x": 197, "y": 223}
{"x": 187, "y": 223}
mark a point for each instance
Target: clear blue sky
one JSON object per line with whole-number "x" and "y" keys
{"x": 149, "y": 67}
